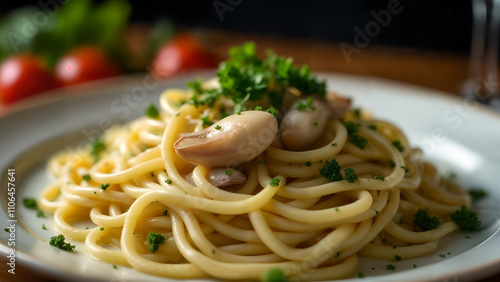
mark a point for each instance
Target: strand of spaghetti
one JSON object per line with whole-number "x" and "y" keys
{"x": 209, "y": 249}
{"x": 405, "y": 235}
{"x": 342, "y": 270}
{"x": 47, "y": 202}
{"x": 99, "y": 194}
{"x": 314, "y": 155}
{"x": 363, "y": 203}
{"x": 61, "y": 224}
{"x": 127, "y": 174}
{"x": 149, "y": 154}
{"x": 214, "y": 192}
{"x": 383, "y": 218}
{"x": 251, "y": 236}
{"x": 183, "y": 271}
{"x": 105, "y": 220}
{"x": 101, "y": 253}
{"x": 390, "y": 253}
{"x": 168, "y": 153}
{"x": 226, "y": 270}
{"x": 330, "y": 241}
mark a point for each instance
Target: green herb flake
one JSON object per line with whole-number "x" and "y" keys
{"x": 358, "y": 141}
{"x": 379, "y": 177}
{"x": 30, "y": 203}
{"x": 331, "y": 170}
{"x": 308, "y": 163}
{"x": 39, "y": 214}
{"x": 155, "y": 240}
{"x": 274, "y": 182}
{"x": 6, "y": 229}
{"x": 152, "y": 111}
{"x": 98, "y": 146}
{"x": 86, "y": 177}
{"x": 102, "y": 228}
{"x": 168, "y": 181}
{"x": 397, "y": 258}
{"x": 114, "y": 266}
{"x": 334, "y": 144}
{"x": 227, "y": 172}
{"x": 424, "y": 221}
{"x": 104, "y": 186}
{"x": 217, "y": 127}
{"x": 350, "y": 175}
{"x": 398, "y": 145}
{"x": 360, "y": 274}
{"x": 165, "y": 212}
{"x": 372, "y": 127}
{"x": 391, "y": 163}
{"x": 275, "y": 275}
{"x": 466, "y": 219}
{"x": 390, "y": 267}
{"x": 59, "y": 242}
{"x": 477, "y": 193}
{"x": 206, "y": 121}
{"x": 43, "y": 227}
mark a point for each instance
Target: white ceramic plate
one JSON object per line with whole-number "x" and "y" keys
{"x": 459, "y": 136}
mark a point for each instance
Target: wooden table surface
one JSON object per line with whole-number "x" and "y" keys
{"x": 441, "y": 71}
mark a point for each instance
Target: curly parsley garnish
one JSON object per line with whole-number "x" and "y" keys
{"x": 59, "y": 242}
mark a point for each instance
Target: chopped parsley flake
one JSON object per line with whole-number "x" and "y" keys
{"x": 372, "y": 127}
{"x": 466, "y": 219}
{"x": 337, "y": 255}
{"x": 467, "y": 237}
{"x": 217, "y": 127}
{"x": 274, "y": 182}
{"x": 275, "y": 275}
{"x": 155, "y": 240}
{"x": 58, "y": 242}
{"x": 390, "y": 267}
{"x": 391, "y": 163}
{"x": 315, "y": 123}
{"x": 334, "y": 144}
{"x": 424, "y": 221}
{"x": 361, "y": 274}
{"x": 6, "y": 229}
{"x": 477, "y": 193}
{"x": 405, "y": 168}
{"x": 39, "y": 214}
{"x": 398, "y": 145}
{"x": 379, "y": 177}
{"x": 165, "y": 212}
{"x": 350, "y": 175}
{"x": 114, "y": 266}
{"x": 352, "y": 127}
{"x": 307, "y": 105}
{"x": 397, "y": 258}
{"x": 30, "y": 203}
{"x": 86, "y": 177}
{"x": 358, "y": 141}
{"x": 227, "y": 172}
{"x": 43, "y": 227}
{"x": 168, "y": 181}
{"x": 152, "y": 111}
{"x": 331, "y": 170}
{"x": 102, "y": 228}
{"x": 442, "y": 256}
{"x": 206, "y": 121}
{"x": 414, "y": 266}
{"x": 97, "y": 147}
{"x": 213, "y": 251}
{"x": 308, "y": 163}
{"x": 104, "y": 186}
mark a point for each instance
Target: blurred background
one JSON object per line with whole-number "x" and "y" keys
{"x": 62, "y": 43}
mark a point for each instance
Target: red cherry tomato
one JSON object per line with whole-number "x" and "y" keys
{"x": 84, "y": 64}
{"x": 182, "y": 53}
{"x": 22, "y": 76}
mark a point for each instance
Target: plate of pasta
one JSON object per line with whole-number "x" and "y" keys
{"x": 260, "y": 170}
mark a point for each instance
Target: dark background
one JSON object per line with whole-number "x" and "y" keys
{"x": 423, "y": 24}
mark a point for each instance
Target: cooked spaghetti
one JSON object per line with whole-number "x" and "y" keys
{"x": 190, "y": 193}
